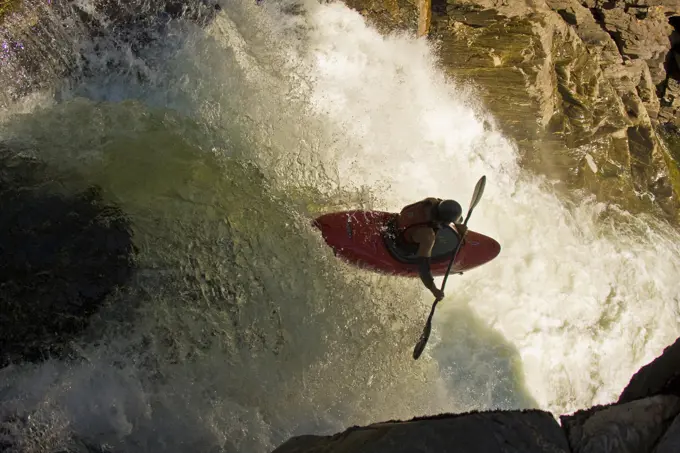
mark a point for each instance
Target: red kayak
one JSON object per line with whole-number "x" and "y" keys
{"x": 366, "y": 239}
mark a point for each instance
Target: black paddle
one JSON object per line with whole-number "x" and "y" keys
{"x": 476, "y": 196}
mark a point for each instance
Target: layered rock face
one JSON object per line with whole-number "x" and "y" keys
{"x": 646, "y": 419}
{"x": 581, "y": 87}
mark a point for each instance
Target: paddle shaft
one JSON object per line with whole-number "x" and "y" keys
{"x": 455, "y": 253}
{"x": 428, "y": 324}
{"x": 448, "y": 270}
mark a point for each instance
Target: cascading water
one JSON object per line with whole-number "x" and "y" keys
{"x": 239, "y": 327}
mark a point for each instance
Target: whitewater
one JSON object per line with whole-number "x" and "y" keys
{"x": 242, "y": 329}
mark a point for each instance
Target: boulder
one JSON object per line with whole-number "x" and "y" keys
{"x": 670, "y": 442}
{"x": 633, "y": 427}
{"x": 491, "y": 432}
{"x": 660, "y": 377}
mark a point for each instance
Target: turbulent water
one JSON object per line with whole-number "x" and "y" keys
{"x": 240, "y": 328}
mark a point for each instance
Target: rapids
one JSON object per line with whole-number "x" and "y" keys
{"x": 240, "y": 328}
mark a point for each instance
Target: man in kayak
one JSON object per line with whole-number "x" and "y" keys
{"x": 417, "y": 225}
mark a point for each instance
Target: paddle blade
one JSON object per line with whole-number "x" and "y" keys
{"x": 420, "y": 347}
{"x": 477, "y": 194}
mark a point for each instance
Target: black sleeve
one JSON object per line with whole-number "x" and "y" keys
{"x": 426, "y": 273}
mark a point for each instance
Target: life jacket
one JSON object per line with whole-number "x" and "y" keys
{"x": 413, "y": 216}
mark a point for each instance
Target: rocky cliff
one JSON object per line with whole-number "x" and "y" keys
{"x": 645, "y": 419}
{"x": 584, "y": 88}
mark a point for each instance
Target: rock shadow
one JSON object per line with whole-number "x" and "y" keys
{"x": 672, "y": 61}
{"x": 62, "y": 249}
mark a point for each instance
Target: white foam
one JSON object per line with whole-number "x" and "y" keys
{"x": 586, "y": 301}
{"x": 585, "y": 294}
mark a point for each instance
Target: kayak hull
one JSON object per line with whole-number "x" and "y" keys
{"x": 366, "y": 239}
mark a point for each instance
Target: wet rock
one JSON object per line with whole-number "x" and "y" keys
{"x": 42, "y": 43}
{"x": 553, "y": 96}
{"x": 50, "y": 434}
{"x": 490, "y": 432}
{"x": 639, "y": 34}
{"x": 125, "y": 16}
{"x": 670, "y": 103}
{"x": 645, "y": 31}
{"x": 633, "y": 84}
{"x": 388, "y": 15}
{"x": 63, "y": 251}
{"x": 597, "y": 40}
{"x": 670, "y": 443}
{"x": 35, "y": 49}
{"x": 474, "y": 16}
{"x": 633, "y": 427}
{"x": 660, "y": 377}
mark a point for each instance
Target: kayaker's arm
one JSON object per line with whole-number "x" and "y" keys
{"x": 426, "y": 275}
{"x": 425, "y": 238}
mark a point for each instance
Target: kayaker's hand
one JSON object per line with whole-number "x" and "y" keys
{"x": 462, "y": 230}
{"x": 438, "y": 293}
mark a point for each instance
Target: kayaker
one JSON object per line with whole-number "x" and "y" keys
{"x": 417, "y": 225}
